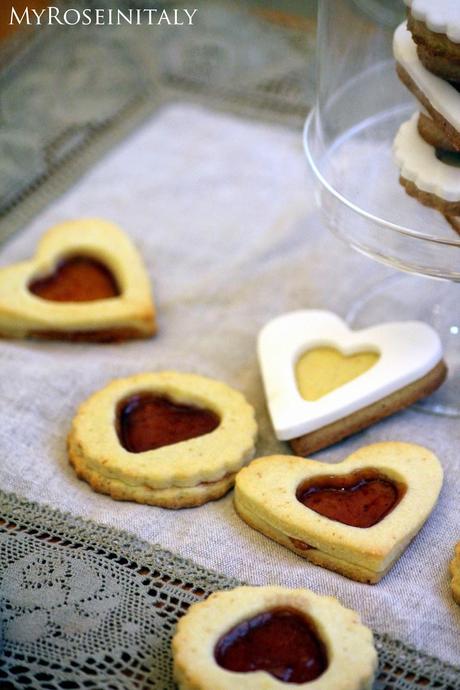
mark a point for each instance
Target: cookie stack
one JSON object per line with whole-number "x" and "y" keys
{"x": 427, "y": 147}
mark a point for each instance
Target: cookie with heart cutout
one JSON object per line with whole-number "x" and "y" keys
{"x": 440, "y": 98}
{"x": 430, "y": 175}
{"x": 455, "y": 573}
{"x": 355, "y": 517}
{"x": 261, "y": 638}
{"x": 435, "y": 28}
{"x": 168, "y": 439}
{"x": 86, "y": 282}
{"x": 324, "y": 382}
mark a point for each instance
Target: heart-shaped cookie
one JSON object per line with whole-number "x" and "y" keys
{"x": 86, "y": 282}
{"x": 324, "y": 381}
{"x": 355, "y": 517}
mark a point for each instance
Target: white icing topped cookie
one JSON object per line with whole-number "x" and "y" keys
{"x": 408, "y": 351}
{"x": 418, "y": 163}
{"x": 443, "y": 97}
{"x": 440, "y": 16}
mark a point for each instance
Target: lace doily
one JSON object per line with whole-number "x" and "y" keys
{"x": 86, "y": 607}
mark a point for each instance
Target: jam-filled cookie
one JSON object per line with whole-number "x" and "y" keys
{"x": 86, "y": 282}
{"x": 324, "y": 382}
{"x": 267, "y": 638}
{"x": 435, "y": 28}
{"x": 355, "y": 517}
{"x": 168, "y": 439}
{"x": 455, "y": 572}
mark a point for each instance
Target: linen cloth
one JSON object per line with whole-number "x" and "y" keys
{"x": 222, "y": 210}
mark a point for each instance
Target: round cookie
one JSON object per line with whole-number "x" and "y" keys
{"x": 435, "y": 28}
{"x": 261, "y": 638}
{"x": 455, "y": 572}
{"x": 423, "y": 174}
{"x": 168, "y": 439}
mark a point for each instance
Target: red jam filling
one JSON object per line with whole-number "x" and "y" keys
{"x": 360, "y": 499}
{"x": 282, "y": 642}
{"x": 146, "y": 422}
{"x": 76, "y": 279}
{"x": 301, "y": 545}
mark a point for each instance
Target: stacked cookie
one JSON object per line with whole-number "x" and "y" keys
{"x": 427, "y": 147}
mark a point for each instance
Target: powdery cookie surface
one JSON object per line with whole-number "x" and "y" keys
{"x": 182, "y": 474}
{"x": 266, "y": 498}
{"x": 419, "y": 164}
{"x": 131, "y": 314}
{"x": 352, "y": 659}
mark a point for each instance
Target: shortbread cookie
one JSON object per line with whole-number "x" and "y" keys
{"x": 435, "y": 28}
{"x": 324, "y": 382}
{"x": 455, "y": 572}
{"x": 264, "y": 638}
{"x": 86, "y": 282}
{"x": 424, "y": 172}
{"x": 168, "y": 439}
{"x": 355, "y": 517}
{"x": 439, "y": 98}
